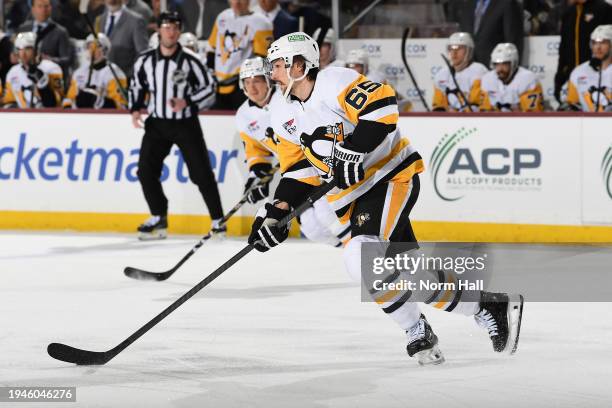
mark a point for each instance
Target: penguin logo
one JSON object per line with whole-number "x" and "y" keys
{"x": 362, "y": 219}
{"x": 319, "y": 146}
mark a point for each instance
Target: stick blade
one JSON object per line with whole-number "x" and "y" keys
{"x": 139, "y": 274}
{"x": 77, "y": 356}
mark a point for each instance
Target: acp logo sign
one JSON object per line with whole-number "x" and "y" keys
{"x": 457, "y": 168}
{"x": 606, "y": 171}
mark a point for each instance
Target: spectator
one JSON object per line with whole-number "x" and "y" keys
{"x": 509, "y": 87}
{"x": 490, "y": 22}
{"x": 155, "y": 12}
{"x": 590, "y": 83}
{"x": 6, "y": 49}
{"x": 576, "y": 26}
{"x": 127, "y": 33}
{"x": 326, "y": 38}
{"x": 237, "y": 35}
{"x": 141, "y": 8}
{"x": 543, "y": 16}
{"x": 451, "y": 89}
{"x": 95, "y": 84}
{"x": 16, "y": 14}
{"x": 308, "y": 10}
{"x": 283, "y": 22}
{"x": 199, "y": 15}
{"x": 66, "y": 13}
{"x": 32, "y": 84}
{"x": 52, "y": 39}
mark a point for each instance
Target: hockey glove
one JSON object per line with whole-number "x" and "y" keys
{"x": 87, "y": 98}
{"x": 265, "y": 234}
{"x": 258, "y": 171}
{"x": 36, "y": 75}
{"x": 348, "y": 165}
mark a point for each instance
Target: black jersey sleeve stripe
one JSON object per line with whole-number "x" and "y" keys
{"x": 381, "y": 103}
{"x": 300, "y": 165}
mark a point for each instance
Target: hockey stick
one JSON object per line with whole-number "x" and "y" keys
{"x": 83, "y": 4}
{"x": 77, "y": 356}
{"x": 405, "y": 60}
{"x": 141, "y": 274}
{"x": 452, "y": 72}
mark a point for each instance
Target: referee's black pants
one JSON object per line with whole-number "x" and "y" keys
{"x": 160, "y": 135}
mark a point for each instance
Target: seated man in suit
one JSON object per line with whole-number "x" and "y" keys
{"x": 127, "y": 33}
{"x": 53, "y": 41}
{"x": 282, "y": 22}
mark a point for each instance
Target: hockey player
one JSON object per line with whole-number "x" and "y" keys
{"x": 509, "y": 87}
{"x": 466, "y": 73}
{"x": 590, "y": 83}
{"x": 237, "y": 34}
{"x": 154, "y": 40}
{"x": 358, "y": 61}
{"x": 93, "y": 84}
{"x": 344, "y": 126}
{"x": 190, "y": 41}
{"x": 261, "y": 145}
{"x": 32, "y": 83}
{"x": 326, "y": 39}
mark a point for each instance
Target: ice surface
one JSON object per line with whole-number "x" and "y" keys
{"x": 281, "y": 329}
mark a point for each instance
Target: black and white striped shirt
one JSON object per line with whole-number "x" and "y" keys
{"x": 181, "y": 75}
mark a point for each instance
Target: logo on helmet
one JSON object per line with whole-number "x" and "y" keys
{"x": 296, "y": 37}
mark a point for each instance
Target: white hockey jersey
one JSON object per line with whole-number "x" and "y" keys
{"x": 341, "y": 97}
{"x": 584, "y": 89}
{"x": 235, "y": 38}
{"x": 522, "y": 94}
{"x": 255, "y": 128}
{"x": 20, "y": 89}
{"x": 100, "y": 78}
{"x": 446, "y": 96}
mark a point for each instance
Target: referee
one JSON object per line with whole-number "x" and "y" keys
{"x": 177, "y": 86}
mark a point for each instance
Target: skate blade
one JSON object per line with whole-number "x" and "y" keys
{"x": 432, "y": 356}
{"x": 515, "y": 316}
{"x": 153, "y": 236}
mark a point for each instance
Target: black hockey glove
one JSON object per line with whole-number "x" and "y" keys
{"x": 86, "y": 98}
{"x": 258, "y": 171}
{"x": 36, "y": 75}
{"x": 348, "y": 165}
{"x": 265, "y": 234}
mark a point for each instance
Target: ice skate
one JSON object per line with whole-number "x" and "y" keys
{"x": 423, "y": 343}
{"x": 501, "y": 315}
{"x": 155, "y": 227}
{"x": 218, "y": 230}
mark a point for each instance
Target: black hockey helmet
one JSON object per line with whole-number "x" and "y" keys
{"x": 169, "y": 17}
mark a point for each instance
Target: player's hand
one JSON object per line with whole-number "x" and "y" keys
{"x": 348, "y": 165}
{"x": 259, "y": 192}
{"x": 137, "y": 120}
{"x": 257, "y": 172}
{"x": 265, "y": 232}
{"x": 177, "y": 104}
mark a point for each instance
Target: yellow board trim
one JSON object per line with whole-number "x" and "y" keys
{"x": 490, "y": 232}
{"x": 241, "y": 225}
{"x": 118, "y": 222}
